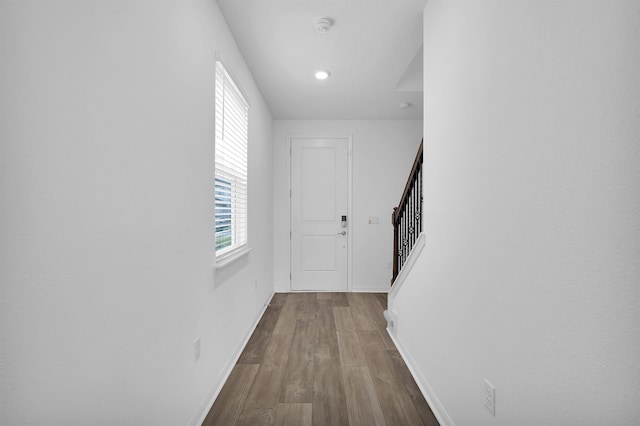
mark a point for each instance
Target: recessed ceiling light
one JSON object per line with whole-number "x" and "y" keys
{"x": 322, "y": 74}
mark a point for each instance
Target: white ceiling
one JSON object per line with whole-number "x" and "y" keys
{"x": 374, "y": 52}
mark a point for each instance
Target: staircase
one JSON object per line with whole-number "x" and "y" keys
{"x": 407, "y": 217}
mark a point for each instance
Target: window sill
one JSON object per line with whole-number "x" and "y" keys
{"x": 228, "y": 258}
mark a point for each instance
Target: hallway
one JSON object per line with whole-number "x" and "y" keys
{"x": 321, "y": 359}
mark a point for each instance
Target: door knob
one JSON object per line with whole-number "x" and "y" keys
{"x": 342, "y": 233}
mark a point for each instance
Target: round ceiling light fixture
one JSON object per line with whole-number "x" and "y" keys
{"x": 322, "y": 74}
{"x": 323, "y": 24}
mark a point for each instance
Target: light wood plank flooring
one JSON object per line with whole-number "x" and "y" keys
{"x": 321, "y": 359}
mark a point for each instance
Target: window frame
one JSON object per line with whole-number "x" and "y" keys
{"x": 231, "y": 183}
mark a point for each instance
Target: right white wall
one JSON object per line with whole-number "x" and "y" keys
{"x": 530, "y": 276}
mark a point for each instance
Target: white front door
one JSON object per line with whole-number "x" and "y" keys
{"x": 319, "y": 200}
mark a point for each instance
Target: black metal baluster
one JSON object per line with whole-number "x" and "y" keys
{"x": 407, "y": 217}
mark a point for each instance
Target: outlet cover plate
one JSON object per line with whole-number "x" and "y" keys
{"x": 490, "y": 397}
{"x": 196, "y": 350}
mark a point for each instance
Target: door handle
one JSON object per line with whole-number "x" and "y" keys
{"x": 342, "y": 233}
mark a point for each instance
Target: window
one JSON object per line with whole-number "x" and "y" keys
{"x": 232, "y": 113}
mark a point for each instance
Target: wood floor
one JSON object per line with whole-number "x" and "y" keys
{"x": 321, "y": 359}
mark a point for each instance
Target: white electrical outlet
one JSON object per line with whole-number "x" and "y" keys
{"x": 490, "y": 397}
{"x": 196, "y": 350}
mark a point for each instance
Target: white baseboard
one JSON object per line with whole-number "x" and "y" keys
{"x": 428, "y": 393}
{"x": 199, "y": 417}
{"x": 370, "y": 289}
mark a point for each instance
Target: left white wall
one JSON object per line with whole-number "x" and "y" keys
{"x": 106, "y": 214}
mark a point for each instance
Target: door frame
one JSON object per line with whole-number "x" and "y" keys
{"x": 349, "y": 139}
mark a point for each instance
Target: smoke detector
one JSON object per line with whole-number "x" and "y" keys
{"x": 323, "y": 25}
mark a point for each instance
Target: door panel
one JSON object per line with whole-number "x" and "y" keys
{"x": 318, "y": 252}
{"x": 318, "y": 201}
{"x": 318, "y": 176}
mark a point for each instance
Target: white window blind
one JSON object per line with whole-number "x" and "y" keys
{"x": 232, "y": 113}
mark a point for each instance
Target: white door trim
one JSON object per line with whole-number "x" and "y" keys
{"x": 349, "y": 139}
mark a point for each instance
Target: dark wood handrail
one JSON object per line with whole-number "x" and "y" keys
{"x": 407, "y": 217}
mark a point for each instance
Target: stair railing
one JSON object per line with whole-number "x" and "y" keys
{"x": 407, "y": 217}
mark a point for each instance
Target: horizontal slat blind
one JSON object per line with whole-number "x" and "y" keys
{"x": 232, "y": 126}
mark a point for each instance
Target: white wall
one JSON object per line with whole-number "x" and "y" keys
{"x": 383, "y": 152}
{"x": 106, "y": 173}
{"x": 530, "y": 274}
